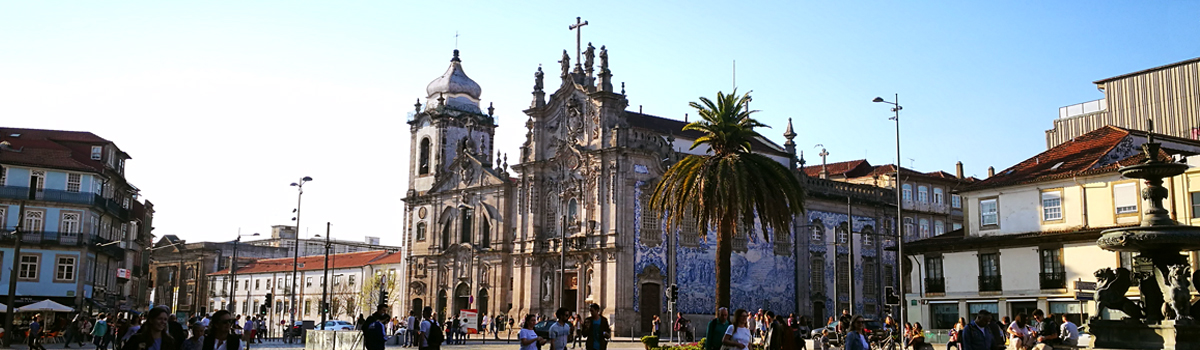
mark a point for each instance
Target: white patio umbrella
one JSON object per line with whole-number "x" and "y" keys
{"x": 45, "y": 305}
{"x": 3, "y": 308}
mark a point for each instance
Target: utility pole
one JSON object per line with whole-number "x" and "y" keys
{"x": 12, "y": 277}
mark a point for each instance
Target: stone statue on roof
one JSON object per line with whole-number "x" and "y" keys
{"x": 566, "y": 63}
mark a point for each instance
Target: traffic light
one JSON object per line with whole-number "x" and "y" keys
{"x": 262, "y": 309}
{"x": 890, "y": 297}
{"x": 270, "y": 298}
{"x": 324, "y": 307}
{"x": 383, "y": 297}
{"x": 673, "y": 292}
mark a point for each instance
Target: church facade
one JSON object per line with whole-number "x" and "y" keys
{"x": 568, "y": 223}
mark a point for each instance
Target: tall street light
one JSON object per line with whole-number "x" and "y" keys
{"x": 299, "y": 185}
{"x": 233, "y": 274}
{"x": 899, "y": 207}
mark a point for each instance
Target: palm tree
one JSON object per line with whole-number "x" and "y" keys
{"x": 730, "y": 186}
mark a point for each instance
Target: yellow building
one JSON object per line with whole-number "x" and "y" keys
{"x": 1030, "y": 230}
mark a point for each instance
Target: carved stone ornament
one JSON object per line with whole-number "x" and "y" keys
{"x": 417, "y": 288}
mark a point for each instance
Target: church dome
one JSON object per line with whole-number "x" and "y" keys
{"x": 454, "y": 85}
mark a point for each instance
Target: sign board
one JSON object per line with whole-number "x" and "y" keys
{"x": 123, "y": 273}
{"x": 1085, "y": 296}
{"x": 470, "y": 318}
{"x": 1085, "y": 285}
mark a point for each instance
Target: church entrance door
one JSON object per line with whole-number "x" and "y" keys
{"x": 462, "y": 298}
{"x": 483, "y": 305}
{"x": 818, "y": 313}
{"x": 417, "y": 306}
{"x": 651, "y": 305}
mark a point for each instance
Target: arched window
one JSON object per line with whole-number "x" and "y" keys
{"x": 906, "y": 191}
{"x": 922, "y": 194}
{"x": 424, "y": 157}
{"x": 924, "y": 228}
{"x": 937, "y": 195}
{"x": 487, "y": 234}
{"x": 421, "y": 231}
{"x": 446, "y": 233}
{"x": 468, "y": 222}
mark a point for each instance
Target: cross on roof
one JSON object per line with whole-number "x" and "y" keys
{"x": 578, "y": 28}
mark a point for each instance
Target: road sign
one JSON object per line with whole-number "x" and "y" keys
{"x": 1085, "y": 285}
{"x": 1085, "y": 296}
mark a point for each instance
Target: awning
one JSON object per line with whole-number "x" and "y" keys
{"x": 45, "y": 305}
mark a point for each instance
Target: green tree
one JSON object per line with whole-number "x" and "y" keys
{"x": 730, "y": 186}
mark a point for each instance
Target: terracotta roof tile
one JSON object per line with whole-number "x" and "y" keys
{"x": 309, "y": 263}
{"x": 850, "y": 168}
{"x": 1095, "y": 152}
{"x": 57, "y": 149}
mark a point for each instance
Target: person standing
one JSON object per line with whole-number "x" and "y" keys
{"x": 428, "y": 334}
{"x": 34, "y": 340}
{"x": 738, "y": 334}
{"x": 597, "y": 329}
{"x": 135, "y": 324}
{"x": 716, "y": 329}
{"x": 374, "y": 336}
{"x": 196, "y": 342}
{"x": 529, "y": 339}
{"x": 72, "y": 331}
{"x": 413, "y": 325}
{"x": 656, "y": 326}
{"x": 1068, "y": 332}
{"x": 977, "y": 334}
{"x": 100, "y": 332}
{"x": 176, "y": 330}
{"x": 560, "y": 332}
{"x": 153, "y": 335}
{"x": 220, "y": 335}
{"x": 855, "y": 339}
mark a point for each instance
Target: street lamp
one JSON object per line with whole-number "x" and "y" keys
{"x": 325, "y": 280}
{"x": 899, "y": 206}
{"x": 299, "y": 185}
{"x": 233, "y": 274}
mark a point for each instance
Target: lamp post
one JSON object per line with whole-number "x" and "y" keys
{"x": 299, "y": 185}
{"x": 899, "y": 207}
{"x": 325, "y": 280}
{"x": 233, "y": 275}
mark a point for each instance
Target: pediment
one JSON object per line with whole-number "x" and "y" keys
{"x": 465, "y": 172}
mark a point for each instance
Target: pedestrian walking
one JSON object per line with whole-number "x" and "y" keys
{"x": 954, "y": 342}
{"x": 738, "y": 336}
{"x": 560, "y": 331}
{"x": 855, "y": 339}
{"x": 716, "y": 329}
{"x": 100, "y": 332}
{"x": 34, "y": 339}
{"x": 430, "y": 333}
{"x": 597, "y": 329}
{"x": 153, "y": 335}
{"x": 220, "y": 333}
{"x": 413, "y": 325}
{"x": 135, "y": 324}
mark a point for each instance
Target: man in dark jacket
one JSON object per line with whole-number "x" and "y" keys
{"x": 374, "y": 337}
{"x": 981, "y": 333}
{"x": 716, "y": 330}
{"x": 597, "y": 329}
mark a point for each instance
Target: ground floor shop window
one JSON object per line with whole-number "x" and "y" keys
{"x": 944, "y": 315}
{"x": 974, "y": 308}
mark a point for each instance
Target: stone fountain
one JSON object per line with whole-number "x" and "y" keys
{"x": 1161, "y": 319}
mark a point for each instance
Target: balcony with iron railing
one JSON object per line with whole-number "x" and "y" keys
{"x": 65, "y": 239}
{"x": 61, "y": 196}
{"x": 990, "y": 283}
{"x": 935, "y": 285}
{"x": 1052, "y": 280}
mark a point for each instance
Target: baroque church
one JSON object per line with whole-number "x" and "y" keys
{"x": 567, "y": 223}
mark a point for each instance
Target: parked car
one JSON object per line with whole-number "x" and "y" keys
{"x": 301, "y": 327}
{"x": 338, "y": 325}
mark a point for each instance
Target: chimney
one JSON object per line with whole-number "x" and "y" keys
{"x": 991, "y": 171}
{"x": 958, "y": 171}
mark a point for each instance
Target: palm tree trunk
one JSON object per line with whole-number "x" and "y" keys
{"x": 724, "y": 253}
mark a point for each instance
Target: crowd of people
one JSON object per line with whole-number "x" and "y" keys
{"x": 1038, "y": 331}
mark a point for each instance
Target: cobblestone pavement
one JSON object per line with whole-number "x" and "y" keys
{"x": 472, "y": 344}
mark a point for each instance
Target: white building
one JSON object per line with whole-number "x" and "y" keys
{"x": 356, "y": 282}
{"x": 1031, "y": 230}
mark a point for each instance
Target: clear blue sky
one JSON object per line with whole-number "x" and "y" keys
{"x": 223, "y": 103}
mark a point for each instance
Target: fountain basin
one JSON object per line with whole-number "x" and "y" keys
{"x": 1157, "y": 238}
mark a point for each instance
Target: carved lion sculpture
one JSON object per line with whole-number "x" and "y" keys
{"x": 1179, "y": 296}
{"x": 1110, "y": 293}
